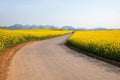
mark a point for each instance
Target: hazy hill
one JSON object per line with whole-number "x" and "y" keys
{"x": 68, "y": 28}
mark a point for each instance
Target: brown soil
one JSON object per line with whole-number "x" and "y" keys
{"x": 6, "y": 57}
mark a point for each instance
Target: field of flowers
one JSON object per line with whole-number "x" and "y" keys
{"x": 102, "y": 43}
{"x": 10, "y": 38}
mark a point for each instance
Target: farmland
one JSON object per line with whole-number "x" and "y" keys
{"x": 10, "y": 38}
{"x": 102, "y": 43}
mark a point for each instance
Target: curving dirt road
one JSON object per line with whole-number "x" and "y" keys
{"x": 52, "y": 60}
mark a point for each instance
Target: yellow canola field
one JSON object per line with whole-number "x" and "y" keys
{"x": 102, "y": 43}
{"x": 9, "y": 38}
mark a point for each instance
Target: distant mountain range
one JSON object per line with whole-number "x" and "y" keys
{"x": 19, "y": 26}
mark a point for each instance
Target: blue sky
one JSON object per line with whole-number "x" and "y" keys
{"x": 77, "y": 13}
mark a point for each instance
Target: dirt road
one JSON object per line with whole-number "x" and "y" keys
{"x": 52, "y": 60}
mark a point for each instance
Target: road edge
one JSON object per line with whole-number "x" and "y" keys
{"x": 115, "y": 63}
